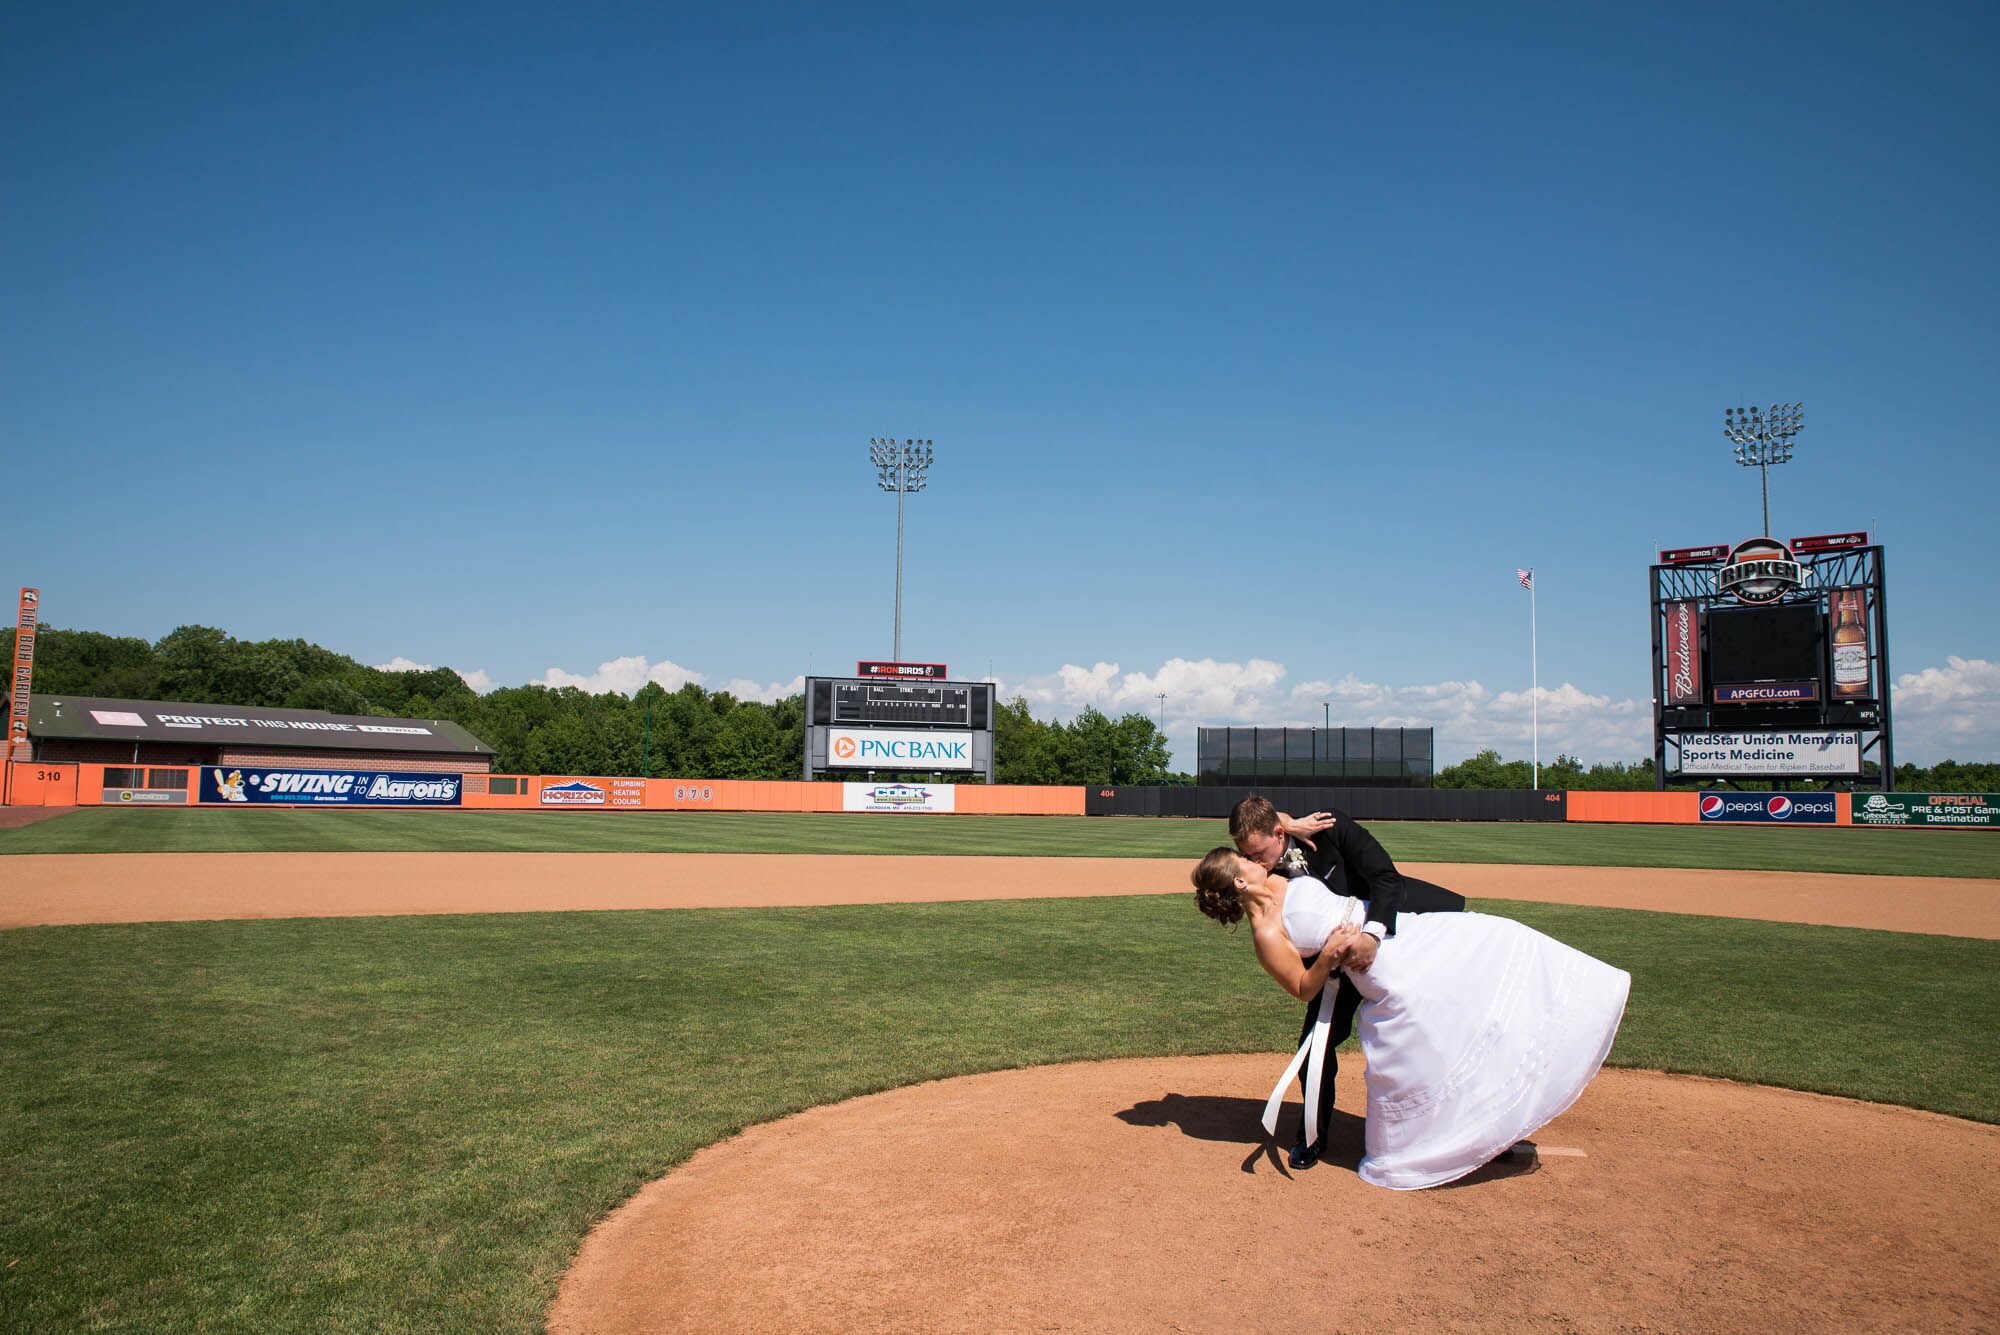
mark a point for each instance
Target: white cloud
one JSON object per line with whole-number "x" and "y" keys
{"x": 1948, "y": 713}
{"x": 1192, "y": 687}
{"x": 477, "y": 679}
{"x": 624, "y": 675}
{"x": 745, "y": 689}
{"x": 1951, "y": 711}
{"x": 1467, "y": 716}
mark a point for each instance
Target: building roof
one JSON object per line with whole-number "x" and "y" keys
{"x": 244, "y": 725}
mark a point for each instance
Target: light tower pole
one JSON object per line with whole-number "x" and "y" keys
{"x": 1763, "y": 437}
{"x": 902, "y": 469}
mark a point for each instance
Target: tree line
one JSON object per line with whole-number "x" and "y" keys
{"x": 686, "y": 733}
{"x": 692, "y": 732}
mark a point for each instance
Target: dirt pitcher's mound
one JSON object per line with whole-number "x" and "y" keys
{"x": 1139, "y": 1195}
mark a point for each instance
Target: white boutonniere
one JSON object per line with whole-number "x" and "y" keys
{"x": 1294, "y": 862}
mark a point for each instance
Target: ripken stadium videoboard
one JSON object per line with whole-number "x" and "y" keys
{"x": 1771, "y": 661}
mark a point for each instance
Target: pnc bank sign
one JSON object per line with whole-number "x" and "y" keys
{"x": 889, "y": 748}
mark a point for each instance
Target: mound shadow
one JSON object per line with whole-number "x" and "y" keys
{"x": 1238, "y": 1121}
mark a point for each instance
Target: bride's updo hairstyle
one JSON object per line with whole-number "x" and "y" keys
{"x": 1215, "y": 886}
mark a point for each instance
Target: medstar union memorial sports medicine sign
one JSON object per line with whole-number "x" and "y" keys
{"x": 1723, "y": 754}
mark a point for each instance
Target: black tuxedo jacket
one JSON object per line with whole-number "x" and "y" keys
{"x": 1351, "y": 862}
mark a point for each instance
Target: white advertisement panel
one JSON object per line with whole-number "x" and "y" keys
{"x": 891, "y": 748}
{"x": 1749, "y": 753}
{"x": 915, "y": 798}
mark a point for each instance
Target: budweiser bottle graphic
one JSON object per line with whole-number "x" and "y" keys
{"x": 1850, "y": 647}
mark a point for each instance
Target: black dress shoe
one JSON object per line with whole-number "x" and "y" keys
{"x": 1302, "y": 1155}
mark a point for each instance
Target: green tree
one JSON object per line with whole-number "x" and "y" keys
{"x": 1565, "y": 772}
{"x": 85, "y": 662}
{"x": 332, "y": 694}
{"x": 747, "y": 745}
{"x": 1484, "y": 770}
{"x": 194, "y": 663}
{"x": 1025, "y": 750}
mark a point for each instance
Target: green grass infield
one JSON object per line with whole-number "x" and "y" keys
{"x": 408, "y": 1124}
{"x": 1867, "y": 851}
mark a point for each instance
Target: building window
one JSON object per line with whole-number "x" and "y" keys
{"x": 124, "y": 778}
{"x": 504, "y": 787}
{"x": 167, "y": 778}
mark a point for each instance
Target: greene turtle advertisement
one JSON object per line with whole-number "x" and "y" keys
{"x": 1973, "y": 809}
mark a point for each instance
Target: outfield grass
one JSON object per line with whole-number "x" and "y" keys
{"x": 389, "y": 1124}
{"x": 1863, "y": 850}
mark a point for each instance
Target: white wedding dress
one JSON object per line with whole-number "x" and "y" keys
{"x": 1477, "y": 1030}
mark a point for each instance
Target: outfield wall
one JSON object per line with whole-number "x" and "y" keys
{"x": 529, "y": 792}
{"x": 87, "y": 783}
{"x": 1215, "y": 802}
{"x": 1636, "y": 808}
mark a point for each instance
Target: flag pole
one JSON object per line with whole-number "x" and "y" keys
{"x": 1534, "y": 685}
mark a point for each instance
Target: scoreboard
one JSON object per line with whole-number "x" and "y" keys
{"x": 898, "y": 727}
{"x": 877, "y": 702}
{"x": 838, "y": 701}
{"x": 1771, "y": 662}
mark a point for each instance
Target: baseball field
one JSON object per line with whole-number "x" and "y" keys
{"x": 364, "y": 1071}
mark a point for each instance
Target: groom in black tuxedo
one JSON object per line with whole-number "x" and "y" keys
{"x": 1329, "y": 846}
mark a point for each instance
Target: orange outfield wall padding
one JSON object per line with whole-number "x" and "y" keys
{"x": 1636, "y": 808}
{"x": 32, "y": 785}
{"x": 555, "y": 791}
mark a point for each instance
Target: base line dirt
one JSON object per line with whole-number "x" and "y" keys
{"x": 42, "y": 889}
{"x": 1141, "y": 1196}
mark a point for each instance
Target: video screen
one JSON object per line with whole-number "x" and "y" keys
{"x": 1751, "y": 644}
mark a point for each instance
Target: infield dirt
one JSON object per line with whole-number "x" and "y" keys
{"x": 1140, "y": 1195}
{"x": 41, "y": 889}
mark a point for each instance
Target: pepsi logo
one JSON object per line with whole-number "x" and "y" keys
{"x": 1711, "y": 807}
{"x": 1779, "y": 806}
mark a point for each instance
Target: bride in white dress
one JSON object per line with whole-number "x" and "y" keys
{"x": 1477, "y": 1030}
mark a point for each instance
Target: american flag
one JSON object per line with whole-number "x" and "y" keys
{"x": 1527, "y": 577}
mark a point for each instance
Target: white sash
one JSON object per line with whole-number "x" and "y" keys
{"x": 1311, "y": 1053}
{"x": 1312, "y": 1050}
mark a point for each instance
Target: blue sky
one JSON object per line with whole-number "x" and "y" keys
{"x": 1259, "y": 346}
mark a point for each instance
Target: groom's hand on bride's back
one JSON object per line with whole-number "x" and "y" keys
{"x": 1352, "y": 947}
{"x": 1361, "y": 955}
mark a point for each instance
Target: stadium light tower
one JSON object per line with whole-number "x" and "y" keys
{"x": 903, "y": 469}
{"x": 1763, "y": 437}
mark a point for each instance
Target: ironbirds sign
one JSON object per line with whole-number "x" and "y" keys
{"x": 923, "y": 670}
